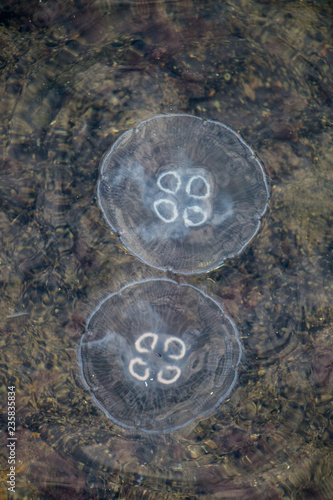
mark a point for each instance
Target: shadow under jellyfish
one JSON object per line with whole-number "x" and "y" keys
{"x": 183, "y": 193}
{"x": 156, "y": 355}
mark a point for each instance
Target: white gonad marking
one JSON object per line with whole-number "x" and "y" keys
{"x": 138, "y": 361}
{"x": 189, "y": 187}
{"x": 177, "y": 341}
{"x": 168, "y": 381}
{"x": 190, "y": 211}
{"x": 171, "y": 204}
{"x": 144, "y": 336}
{"x": 171, "y": 174}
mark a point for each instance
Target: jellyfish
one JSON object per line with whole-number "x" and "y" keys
{"x": 157, "y": 354}
{"x": 184, "y": 194}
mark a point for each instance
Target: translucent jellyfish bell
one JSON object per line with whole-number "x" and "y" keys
{"x": 157, "y": 354}
{"x": 183, "y": 193}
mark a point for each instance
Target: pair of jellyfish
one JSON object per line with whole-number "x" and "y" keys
{"x": 184, "y": 194}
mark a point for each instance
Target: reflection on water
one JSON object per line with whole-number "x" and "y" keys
{"x": 73, "y": 78}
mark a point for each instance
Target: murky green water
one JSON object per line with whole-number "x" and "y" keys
{"x": 74, "y": 76}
